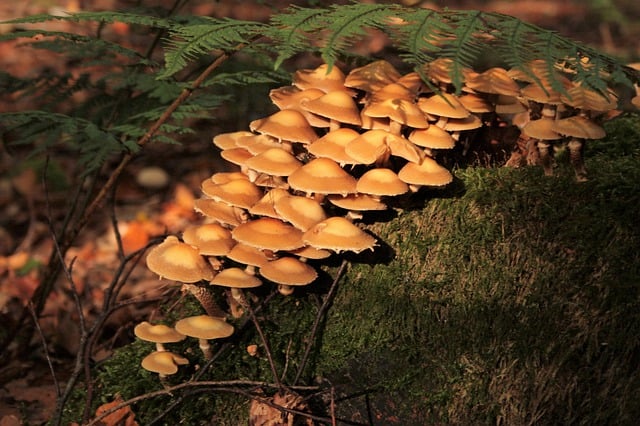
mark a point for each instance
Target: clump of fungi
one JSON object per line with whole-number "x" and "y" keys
{"x": 341, "y": 145}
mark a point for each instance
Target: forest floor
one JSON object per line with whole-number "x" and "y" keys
{"x": 28, "y": 393}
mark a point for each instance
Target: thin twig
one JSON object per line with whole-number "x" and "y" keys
{"x": 321, "y": 312}
{"x": 263, "y": 338}
{"x": 223, "y": 386}
{"x": 56, "y": 385}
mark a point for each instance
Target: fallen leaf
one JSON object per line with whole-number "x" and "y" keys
{"x": 121, "y": 417}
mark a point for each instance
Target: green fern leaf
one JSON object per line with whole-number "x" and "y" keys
{"x": 189, "y": 42}
{"x": 290, "y": 31}
{"x": 350, "y": 22}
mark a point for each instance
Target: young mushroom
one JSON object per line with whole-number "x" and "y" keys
{"x": 204, "y": 328}
{"x": 178, "y": 261}
{"x": 158, "y": 334}
{"x": 164, "y": 363}
{"x": 288, "y": 272}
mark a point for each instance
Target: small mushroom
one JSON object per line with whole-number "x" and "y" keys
{"x": 178, "y": 261}
{"x": 338, "y": 234}
{"x": 211, "y": 239}
{"x": 267, "y": 233}
{"x": 322, "y": 176}
{"x": 164, "y": 363}
{"x": 158, "y": 334}
{"x": 236, "y": 279}
{"x": 288, "y": 272}
{"x": 204, "y": 328}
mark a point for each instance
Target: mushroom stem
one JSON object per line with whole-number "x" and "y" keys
{"x": 285, "y": 290}
{"x": 545, "y": 157}
{"x": 206, "y": 300}
{"x": 576, "y": 149}
{"x": 160, "y": 347}
{"x": 205, "y": 347}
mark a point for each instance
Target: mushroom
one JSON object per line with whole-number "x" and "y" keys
{"x": 164, "y": 363}
{"x": 376, "y": 146}
{"x": 429, "y": 173}
{"x": 248, "y": 255}
{"x": 322, "y": 176}
{"x": 238, "y": 193}
{"x": 578, "y": 128}
{"x": 324, "y": 77}
{"x": 333, "y": 144}
{"x": 236, "y": 279}
{"x": 338, "y": 234}
{"x": 178, "y": 261}
{"x": 381, "y": 182}
{"x": 372, "y": 77}
{"x": 290, "y": 97}
{"x": 158, "y": 334}
{"x": 274, "y": 162}
{"x": 542, "y": 131}
{"x": 265, "y": 207}
{"x": 204, "y": 328}
{"x": 226, "y": 141}
{"x": 401, "y": 112}
{"x": 220, "y": 212}
{"x": 356, "y": 203}
{"x": 285, "y": 125}
{"x": 301, "y": 212}
{"x": 268, "y": 234}
{"x": 338, "y": 106}
{"x": 288, "y": 272}
{"x": 211, "y": 239}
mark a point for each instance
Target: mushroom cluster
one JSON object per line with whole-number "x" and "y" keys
{"x": 343, "y": 144}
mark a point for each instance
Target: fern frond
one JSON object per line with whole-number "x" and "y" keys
{"x": 351, "y": 22}
{"x": 245, "y": 78}
{"x": 104, "y": 17}
{"x": 290, "y": 30}
{"x": 188, "y": 42}
{"x": 64, "y": 42}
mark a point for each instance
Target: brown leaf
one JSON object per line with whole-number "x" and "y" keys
{"x": 121, "y": 417}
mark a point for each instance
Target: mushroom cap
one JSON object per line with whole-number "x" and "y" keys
{"x": 268, "y": 234}
{"x": 433, "y": 137}
{"x": 460, "y": 124}
{"x": 211, "y": 239}
{"x": 219, "y": 211}
{"x": 392, "y": 91}
{"x": 336, "y": 105}
{"x": 381, "y": 182}
{"x": 374, "y": 145}
{"x": 287, "y": 124}
{"x": 372, "y": 77}
{"x": 301, "y": 212}
{"x": 308, "y": 252}
{"x": 265, "y": 207}
{"x": 338, "y": 234}
{"x": 399, "y": 110}
{"x": 332, "y": 145}
{"x": 578, "y": 126}
{"x": 157, "y": 333}
{"x": 475, "y": 104}
{"x": 239, "y": 192}
{"x": 178, "y": 261}
{"x": 237, "y": 156}
{"x": 583, "y": 98}
{"x": 357, "y": 202}
{"x": 290, "y": 97}
{"x": 323, "y": 77}
{"x": 204, "y": 327}
{"x": 164, "y": 362}
{"x": 541, "y": 129}
{"x": 235, "y": 278}
{"x": 224, "y": 177}
{"x": 248, "y": 255}
{"x": 322, "y": 176}
{"x": 443, "y": 105}
{"x": 274, "y": 162}
{"x": 494, "y": 80}
{"x": 229, "y": 140}
{"x": 257, "y": 144}
{"x": 288, "y": 271}
{"x": 429, "y": 172}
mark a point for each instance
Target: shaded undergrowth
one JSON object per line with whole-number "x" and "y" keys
{"x": 512, "y": 298}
